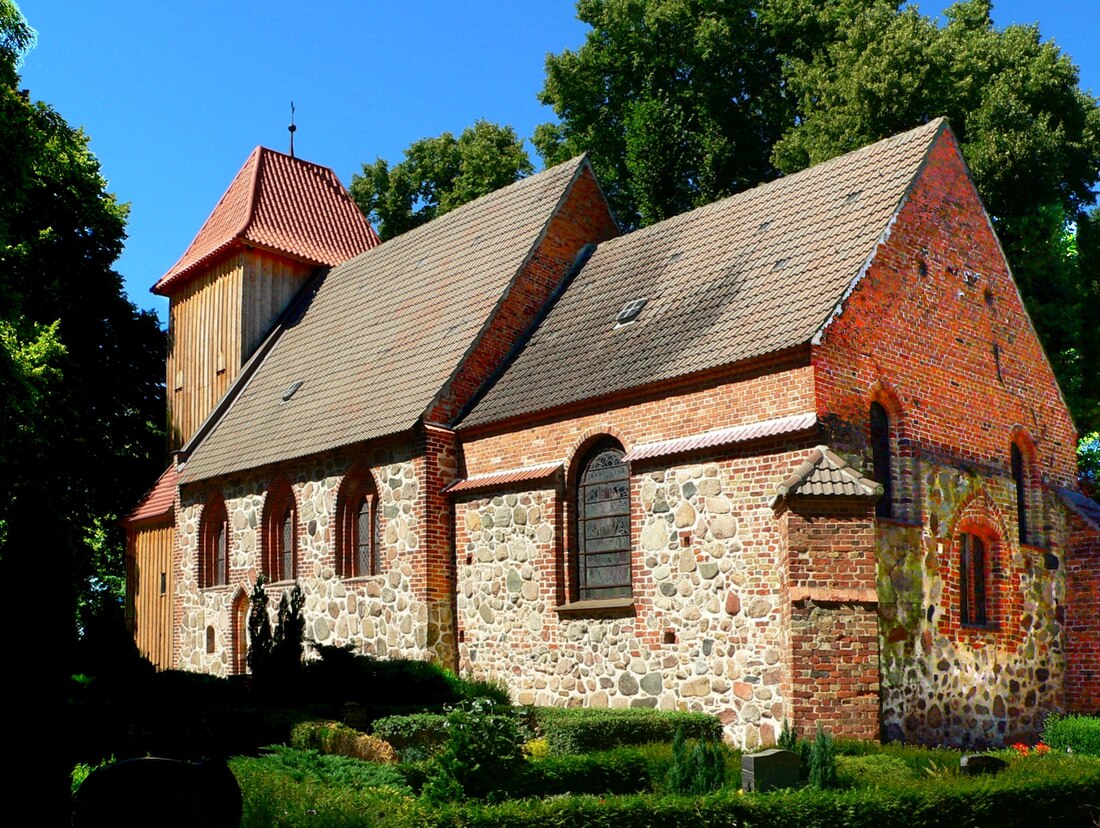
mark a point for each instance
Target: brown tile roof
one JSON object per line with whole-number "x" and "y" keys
{"x": 384, "y": 332}
{"x": 283, "y": 204}
{"x": 825, "y": 473}
{"x": 725, "y": 436}
{"x": 503, "y": 478}
{"x": 750, "y": 275}
{"x": 159, "y": 500}
{"x": 1082, "y": 505}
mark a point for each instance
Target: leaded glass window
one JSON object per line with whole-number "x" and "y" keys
{"x": 603, "y": 526}
{"x": 880, "y": 450}
{"x": 363, "y": 533}
{"x": 287, "y": 546}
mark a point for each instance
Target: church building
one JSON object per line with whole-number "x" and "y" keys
{"x": 797, "y": 454}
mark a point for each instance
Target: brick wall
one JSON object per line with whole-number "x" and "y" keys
{"x": 833, "y": 659}
{"x": 1082, "y": 620}
{"x": 935, "y": 331}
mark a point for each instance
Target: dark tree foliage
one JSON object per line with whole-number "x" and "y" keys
{"x": 437, "y": 175}
{"x": 81, "y": 369}
{"x": 1030, "y": 135}
{"x": 678, "y": 103}
{"x": 260, "y": 637}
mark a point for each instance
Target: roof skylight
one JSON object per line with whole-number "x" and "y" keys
{"x": 630, "y": 312}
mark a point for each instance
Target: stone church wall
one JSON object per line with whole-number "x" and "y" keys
{"x": 705, "y": 631}
{"x": 381, "y": 614}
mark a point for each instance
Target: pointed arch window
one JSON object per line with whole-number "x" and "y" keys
{"x": 602, "y": 524}
{"x": 973, "y": 580}
{"x": 214, "y": 544}
{"x": 357, "y": 518}
{"x": 883, "y": 461}
{"x": 280, "y": 533}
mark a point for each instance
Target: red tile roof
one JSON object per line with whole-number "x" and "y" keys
{"x": 725, "y": 436}
{"x": 159, "y": 500}
{"x": 283, "y": 204}
{"x": 501, "y": 478}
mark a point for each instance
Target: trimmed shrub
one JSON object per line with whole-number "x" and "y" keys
{"x": 872, "y": 769}
{"x": 614, "y": 772}
{"x": 337, "y": 738}
{"x": 482, "y": 756}
{"x": 697, "y": 768}
{"x": 584, "y": 729}
{"x": 1062, "y": 794}
{"x": 414, "y": 737}
{"x": 1077, "y": 734}
{"x": 823, "y": 760}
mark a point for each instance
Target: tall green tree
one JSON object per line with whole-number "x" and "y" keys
{"x": 1030, "y": 135}
{"x": 81, "y": 369}
{"x": 439, "y": 174}
{"x": 678, "y": 103}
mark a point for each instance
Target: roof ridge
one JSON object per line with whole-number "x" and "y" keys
{"x": 783, "y": 180}
{"x": 410, "y": 235}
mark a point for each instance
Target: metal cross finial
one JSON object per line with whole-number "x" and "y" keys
{"x": 292, "y": 129}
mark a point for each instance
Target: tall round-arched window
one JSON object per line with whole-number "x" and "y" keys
{"x": 280, "y": 532}
{"x": 602, "y": 524}
{"x": 356, "y": 520}
{"x": 214, "y": 544}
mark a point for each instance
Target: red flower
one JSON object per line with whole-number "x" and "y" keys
{"x": 1042, "y": 749}
{"x": 1021, "y": 748}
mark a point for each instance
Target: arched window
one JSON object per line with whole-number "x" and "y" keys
{"x": 214, "y": 544}
{"x": 280, "y": 532}
{"x": 602, "y": 524}
{"x": 1019, "y": 477}
{"x": 973, "y": 580}
{"x": 356, "y": 519}
{"x": 881, "y": 455}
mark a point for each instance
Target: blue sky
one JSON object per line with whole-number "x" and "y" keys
{"x": 176, "y": 95}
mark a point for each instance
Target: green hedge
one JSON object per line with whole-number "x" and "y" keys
{"x": 414, "y": 737}
{"x": 1054, "y": 791}
{"x": 621, "y": 771}
{"x": 1079, "y": 734}
{"x": 583, "y": 729}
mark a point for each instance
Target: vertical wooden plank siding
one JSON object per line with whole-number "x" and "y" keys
{"x": 216, "y": 321}
{"x": 204, "y": 320}
{"x": 152, "y": 606}
{"x": 270, "y": 282}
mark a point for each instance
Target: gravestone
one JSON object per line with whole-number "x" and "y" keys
{"x": 161, "y": 792}
{"x": 769, "y": 770}
{"x": 978, "y": 764}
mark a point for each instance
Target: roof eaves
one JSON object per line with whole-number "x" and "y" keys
{"x": 822, "y": 458}
{"x": 252, "y": 166}
{"x": 1081, "y": 505}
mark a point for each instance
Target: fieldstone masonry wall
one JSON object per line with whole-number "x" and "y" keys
{"x": 381, "y": 614}
{"x": 944, "y": 683}
{"x": 704, "y": 632}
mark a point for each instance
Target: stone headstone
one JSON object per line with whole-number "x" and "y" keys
{"x": 978, "y": 764}
{"x": 161, "y": 792}
{"x": 769, "y": 770}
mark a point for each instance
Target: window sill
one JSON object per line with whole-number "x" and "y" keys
{"x": 360, "y": 579}
{"x": 980, "y": 627}
{"x": 602, "y": 606}
{"x": 217, "y": 587}
{"x": 902, "y": 522}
